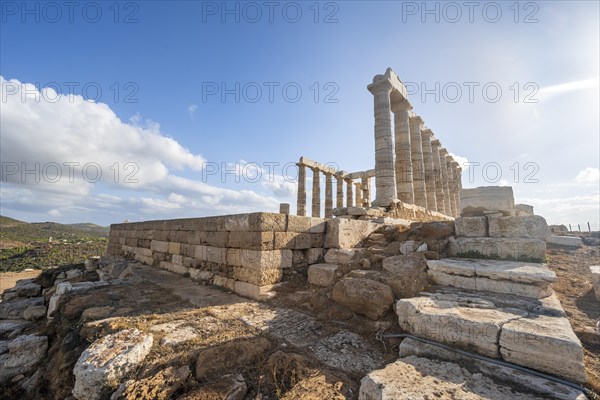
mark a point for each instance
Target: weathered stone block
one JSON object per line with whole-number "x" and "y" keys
{"x": 174, "y": 248}
{"x": 237, "y": 223}
{"x": 523, "y": 209}
{"x": 364, "y": 296}
{"x": 303, "y": 241}
{"x": 544, "y": 343}
{"x": 284, "y": 240}
{"x": 474, "y": 202}
{"x": 317, "y": 239}
{"x": 263, "y": 222}
{"x": 200, "y": 253}
{"x": 251, "y": 240}
{"x": 471, "y": 226}
{"x": 517, "y": 249}
{"x": 322, "y": 274}
{"x": 565, "y": 241}
{"x": 253, "y": 291}
{"x": 345, "y": 233}
{"x": 298, "y": 223}
{"x": 158, "y": 245}
{"x": 217, "y": 239}
{"x": 318, "y": 225}
{"x": 532, "y": 226}
{"x": 339, "y": 256}
{"x": 258, "y": 277}
{"x": 224, "y": 282}
{"x": 269, "y": 259}
{"x": 405, "y": 274}
{"x": 177, "y": 269}
{"x": 234, "y": 257}
{"x": 315, "y": 255}
{"x": 177, "y": 259}
{"x": 217, "y": 255}
{"x": 200, "y": 275}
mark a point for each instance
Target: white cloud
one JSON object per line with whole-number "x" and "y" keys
{"x": 462, "y": 161}
{"x": 549, "y": 91}
{"x": 588, "y": 175}
{"x": 68, "y": 141}
{"x": 191, "y": 109}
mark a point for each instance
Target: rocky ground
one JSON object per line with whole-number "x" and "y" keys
{"x": 574, "y": 290}
{"x": 168, "y": 337}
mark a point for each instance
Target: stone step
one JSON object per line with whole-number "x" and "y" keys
{"x": 509, "y": 277}
{"x": 530, "y": 332}
{"x": 512, "y": 249}
{"x": 415, "y": 377}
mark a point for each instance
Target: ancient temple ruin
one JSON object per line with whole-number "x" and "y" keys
{"x": 412, "y": 168}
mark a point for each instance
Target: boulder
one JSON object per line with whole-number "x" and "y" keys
{"x": 531, "y": 226}
{"x": 476, "y": 202}
{"x": 405, "y": 274}
{"x": 35, "y": 312}
{"x": 23, "y": 354}
{"x": 15, "y": 309}
{"x": 28, "y": 289}
{"x": 364, "y": 296}
{"x": 102, "y": 366}
{"x": 322, "y": 274}
{"x": 11, "y": 328}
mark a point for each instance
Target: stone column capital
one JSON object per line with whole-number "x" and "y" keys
{"x": 380, "y": 84}
{"x": 416, "y": 119}
{"x": 436, "y": 142}
{"x": 443, "y": 152}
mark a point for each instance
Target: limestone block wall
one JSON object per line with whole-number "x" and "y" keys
{"x": 245, "y": 253}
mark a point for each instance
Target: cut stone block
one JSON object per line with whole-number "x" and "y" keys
{"x": 421, "y": 378}
{"x": 347, "y": 233}
{"x": 566, "y": 241}
{"x": 258, "y": 277}
{"x": 523, "y": 209}
{"x": 411, "y": 246}
{"x": 177, "y": 269}
{"x": 406, "y": 275}
{"x": 339, "y": 256}
{"x": 224, "y": 282}
{"x": 508, "y": 277}
{"x": 535, "y": 384}
{"x": 364, "y": 296}
{"x": 160, "y": 246}
{"x": 254, "y": 292}
{"x": 251, "y": 240}
{"x": 544, "y": 343}
{"x": 471, "y": 226}
{"x": 443, "y": 320}
{"x": 271, "y": 259}
{"x": 314, "y": 255}
{"x": 595, "y": 271}
{"x": 518, "y": 249}
{"x": 298, "y": 224}
{"x": 532, "y": 226}
{"x": 474, "y": 202}
{"x": 322, "y": 274}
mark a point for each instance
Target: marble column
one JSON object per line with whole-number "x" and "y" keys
{"x": 301, "y": 205}
{"x": 445, "y": 181}
{"x": 339, "y": 194}
{"x": 359, "y": 199}
{"x": 404, "y": 169}
{"x": 429, "y": 172}
{"x": 316, "y": 193}
{"x": 366, "y": 191}
{"x": 349, "y": 191}
{"x": 417, "y": 161}
{"x": 328, "y": 196}
{"x": 457, "y": 186}
{"x": 451, "y": 185}
{"x": 385, "y": 176}
{"x": 437, "y": 171}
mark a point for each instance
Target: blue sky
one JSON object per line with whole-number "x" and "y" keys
{"x": 158, "y": 65}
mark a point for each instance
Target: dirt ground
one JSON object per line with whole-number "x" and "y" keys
{"x": 574, "y": 289}
{"x": 9, "y": 279}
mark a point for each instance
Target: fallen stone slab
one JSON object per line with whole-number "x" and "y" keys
{"x": 531, "y": 226}
{"x": 68, "y": 287}
{"x": 23, "y": 354}
{"x": 544, "y": 343}
{"x": 322, "y": 274}
{"x": 405, "y": 274}
{"x": 595, "y": 271}
{"x": 102, "y": 366}
{"x": 564, "y": 241}
{"x": 421, "y": 378}
{"x": 510, "y": 277}
{"x": 364, "y": 296}
{"x": 499, "y": 373}
{"x": 14, "y": 309}
{"x": 514, "y": 249}
{"x": 28, "y": 289}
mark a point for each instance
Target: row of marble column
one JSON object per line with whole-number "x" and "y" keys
{"x": 410, "y": 163}
{"x": 361, "y": 191}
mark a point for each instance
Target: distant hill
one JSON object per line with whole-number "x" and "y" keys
{"x": 27, "y": 245}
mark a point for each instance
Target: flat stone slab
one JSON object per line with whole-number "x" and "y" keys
{"x": 566, "y": 241}
{"x": 535, "y": 335}
{"x": 530, "y": 226}
{"x": 475, "y": 202}
{"x": 510, "y": 277}
{"x": 513, "y": 249}
{"x": 421, "y": 378}
{"x": 499, "y": 373}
